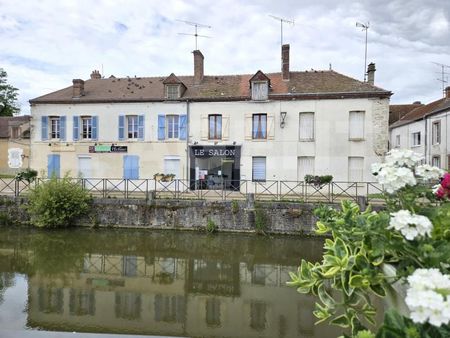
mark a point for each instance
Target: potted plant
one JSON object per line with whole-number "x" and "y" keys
{"x": 158, "y": 176}
{"x": 168, "y": 178}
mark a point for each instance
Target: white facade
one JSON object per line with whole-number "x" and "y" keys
{"x": 331, "y": 145}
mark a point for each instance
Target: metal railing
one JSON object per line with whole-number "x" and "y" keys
{"x": 228, "y": 190}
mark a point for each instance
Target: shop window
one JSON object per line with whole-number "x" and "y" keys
{"x": 215, "y": 127}
{"x": 259, "y": 169}
{"x": 259, "y": 129}
{"x": 356, "y": 125}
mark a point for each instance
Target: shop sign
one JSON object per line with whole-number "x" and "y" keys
{"x": 108, "y": 149}
{"x": 219, "y": 151}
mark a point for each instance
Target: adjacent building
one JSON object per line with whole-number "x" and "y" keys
{"x": 213, "y": 130}
{"x": 424, "y": 130}
{"x": 14, "y": 144}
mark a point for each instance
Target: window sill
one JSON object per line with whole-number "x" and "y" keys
{"x": 416, "y": 146}
{"x": 307, "y": 140}
{"x": 356, "y": 139}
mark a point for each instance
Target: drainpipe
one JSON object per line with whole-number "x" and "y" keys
{"x": 426, "y": 140}
{"x": 188, "y": 124}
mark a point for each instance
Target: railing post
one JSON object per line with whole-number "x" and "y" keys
{"x": 16, "y": 188}
{"x": 104, "y": 187}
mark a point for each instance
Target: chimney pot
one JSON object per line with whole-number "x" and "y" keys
{"x": 198, "y": 66}
{"x": 285, "y": 61}
{"x": 371, "y": 73}
{"x": 417, "y": 102}
{"x": 78, "y": 87}
{"x": 96, "y": 74}
{"x": 447, "y": 92}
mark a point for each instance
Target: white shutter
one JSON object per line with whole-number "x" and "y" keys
{"x": 204, "y": 127}
{"x": 356, "y": 125}
{"x": 248, "y": 126}
{"x": 172, "y": 166}
{"x": 225, "y": 127}
{"x": 270, "y": 127}
{"x": 355, "y": 169}
{"x": 259, "y": 90}
{"x": 259, "y": 169}
{"x": 305, "y": 167}
{"x": 306, "y": 128}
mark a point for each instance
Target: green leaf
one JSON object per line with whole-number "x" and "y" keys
{"x": 378, "y": 290}
{"x": 341, "y": 321}
{"x": 358, "y": 281}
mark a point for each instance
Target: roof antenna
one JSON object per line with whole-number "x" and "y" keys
{"x": 196, "y": 25}
{"x": 443, "y": 73}
{"x": 281, "y": 25}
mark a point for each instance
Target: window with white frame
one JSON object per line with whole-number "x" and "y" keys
{"x": 397, "y": 141}
{"x": 132, "y": 126}
{"x": 436, "y": 132}
{"x": 356, "y": 125}
{"x": 436, "y": 161}
{"x": 55, "y": 127}
{"x": 305, "y": 166}
{"x": 172, "y": 92}
{"x": 215, "y": 127}
{"x": 86, "y": 127}
{"x": 259, "y": 169}
{"x": 306, "y": 126}
{"x": 172, "y": 122}
{"x": 259, "y": 126}
{"x": 355, "y": 169}
{"x": 416, "y": 139}
{"x": 260, "y": 90}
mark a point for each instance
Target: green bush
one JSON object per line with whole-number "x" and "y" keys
{"x": 28, "y": 175}
{"x": 57, "y": 203}
{"x": 261, "y": 220}
{"x": 211, "y": 226}
{"x": 318, "y": 180}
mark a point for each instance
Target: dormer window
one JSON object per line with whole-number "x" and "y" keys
{"x": 172, "y": 92}
{"x": 260, "y": 90}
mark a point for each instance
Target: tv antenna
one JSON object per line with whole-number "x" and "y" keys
{"x": 365, "y": 27}
{"x": 282, "y": 20}
{"x": 196, "y": 25}
{"x": 444, "y": 79}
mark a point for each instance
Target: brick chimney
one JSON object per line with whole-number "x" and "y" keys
{"x": 96, "y": 74}
{"x": 285, "y": 61}
{"x": 198, "y": 66}
{"x": 371, "y": 73}
{"x": 78, "y": 87}
{"x": 447, "y": 92}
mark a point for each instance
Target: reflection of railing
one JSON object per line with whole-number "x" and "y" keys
{"x": 227, "y": 190}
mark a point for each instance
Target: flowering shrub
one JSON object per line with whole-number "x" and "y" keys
{"x": 412, "y": 234}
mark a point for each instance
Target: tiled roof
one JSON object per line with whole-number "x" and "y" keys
{"x": 6, "y": 121}
{"x": 397, "y": 111}
{"x": 423, "y": 111}
{"x": 218, "y": 88}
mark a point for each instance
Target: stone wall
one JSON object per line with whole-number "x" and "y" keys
{"x": 231, "y": 216}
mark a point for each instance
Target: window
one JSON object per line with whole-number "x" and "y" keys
{"x": 55, "y": 127}
{"x": 259, "y": 129}
{"x": 50, "y": 300}
{"x": 215, "y": 127}
{"x": 172, "y": 126}
{"x": 436, "y": 132}
{"x": 128, "y": 305}
{"x": 397, "y": 141}
{"x": 356, "y": 125}
{"x": 82, "y": 302}
{"x": 259, "y": 169}
{"x": 305, "y": 167}
{"x": 86, "y": 127}
{"x": 170, "y": 309}
{"x": 257, "y": 315}
{"x": 14, "y": 132}
{"x": 260, "y": 90}
{"x": 172, "y": 92}
{"x": 213, "y": 312}
{"x": 132, "y": 126}
{"x": 436, "y": 161}
{"x": 306, "y": 127}
{"x": 355, "y": 169}
{"x": 416, "y": 139}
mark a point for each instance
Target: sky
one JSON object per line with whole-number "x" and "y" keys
{"x": 45, "y": 44}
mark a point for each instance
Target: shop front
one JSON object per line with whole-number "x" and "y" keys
{"x": 215, "y": 167}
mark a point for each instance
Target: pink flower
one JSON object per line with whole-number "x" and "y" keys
{"x": 440, "y": 193}
{"x": 446, "y": 181}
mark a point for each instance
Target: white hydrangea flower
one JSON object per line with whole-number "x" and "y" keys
{"x": 395, "y": 178}
{"x": 428, "y": 172}
{"x": 410, "y": 225}
{"x": 426, "y": 297}
{"x": 403, "y": 157}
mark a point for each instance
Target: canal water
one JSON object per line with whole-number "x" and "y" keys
{"x": 154, "y": 283}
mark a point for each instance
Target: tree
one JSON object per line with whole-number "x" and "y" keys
{"x": 8, "y": 96}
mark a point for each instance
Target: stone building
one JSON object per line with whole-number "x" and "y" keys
{"x": 14, "y": 144}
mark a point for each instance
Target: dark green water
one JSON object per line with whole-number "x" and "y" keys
{"x": 154, "y": 283}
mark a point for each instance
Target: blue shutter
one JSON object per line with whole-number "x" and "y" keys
{"x": 141, "y": 127}
{"x": 161, "y": 127}
{"x": 76, "y": 128}
{"x": 131, "y": 167}
{"x": 62, "y": 128}
{"x": 121, "y": 127}
{"x": 44, "y": 128}
{"x": 183, "y": 127}
{"x": 53, "y": 166}
{"x": 95, "y": 128}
